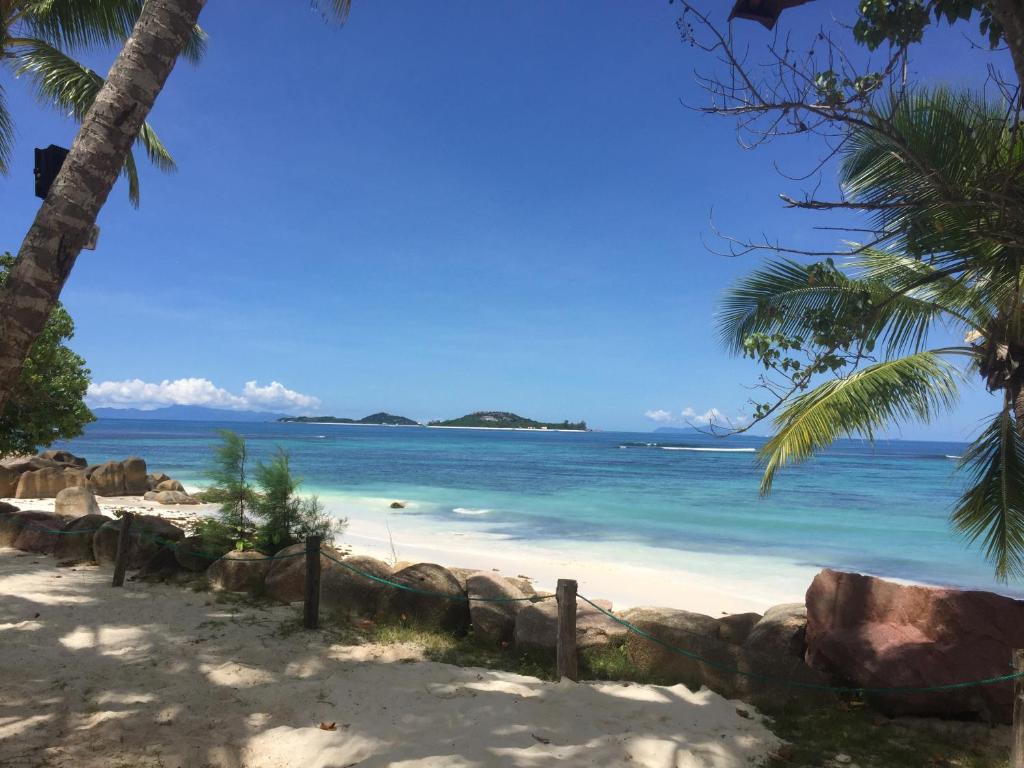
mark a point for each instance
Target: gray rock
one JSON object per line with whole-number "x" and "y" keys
{"x": 286, "y": 580}
{"x": 191, "y": 554}
{"x": 702, "y": 658}
{"x": 29, "y": 464}
{"x": 154, "y": 479}
{"x": 64, "y": 457}
{"x": 449, "y": 610}
{"x": 75, "y": 540}
{"x": 47, "y": 482}
{"x": 781, "y": 632}
{"x": 170, "y": 497}
{"x": 135, "y": 482}
{"x": 6, "y": 509}
{"x": 537, "y": 626}
{"x": 169, "y": 485}
{"x": 494, "y": 621}
{"x": 107, "y": 479}
{"x": 736, "y": 627}
{"x": 75, "y": 502}
{"x": 146, "y": 537}
{"x": 239, "y": 572}
{"x": 31, "y": 531}
{"x": 347, "y": 594}
{"x": 8, "y": 483}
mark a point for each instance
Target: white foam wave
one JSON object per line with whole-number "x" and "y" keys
{"x": 469, "y": 511}
{"x": 707, "y": 450}
{"x": 950, "y": 456}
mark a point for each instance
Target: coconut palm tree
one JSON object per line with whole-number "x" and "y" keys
{"x": 845, "y": 351}
{"x": 109, "y": 128}
{"x": 39, "y": 40}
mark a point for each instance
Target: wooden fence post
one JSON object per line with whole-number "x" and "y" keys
{"x": 311, "y": 606}
{"x": 1017, "y": 743}
{"x": 123, "y": 540}
{"x": 566, "y": 661}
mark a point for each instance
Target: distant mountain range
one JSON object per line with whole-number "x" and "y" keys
{"x": 386, "y": 419}
{"x": 506, "y": 420}
{"x": 184, "y": 413}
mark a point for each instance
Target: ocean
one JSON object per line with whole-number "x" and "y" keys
{"x": 689, "y": 501}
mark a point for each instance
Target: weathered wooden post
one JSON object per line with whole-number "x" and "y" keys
{"x": 311, "y": 606}
{"x": 123, "y": 540}
{"x": 1017, "y": 743}
{"x": 566, "y": 660}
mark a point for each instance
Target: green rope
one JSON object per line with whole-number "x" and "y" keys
{"x": 431, "y": 593}
{"x": 796, "y": 683}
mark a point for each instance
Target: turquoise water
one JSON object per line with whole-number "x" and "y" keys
{"x": 881, "y": 510}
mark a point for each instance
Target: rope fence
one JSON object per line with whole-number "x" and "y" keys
{"x": 566, "y": 652}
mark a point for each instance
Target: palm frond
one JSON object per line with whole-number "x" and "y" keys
{"x": 953, "y": 161}
{"x": 6, "y": 134}
{"x": 131, "y": 172}
{"x": 992, "y": 509}
{"x": 778, "y": 297}
{"x": 912, "y": 388}
{"x": 339, "y": 9}
{"x": 77, "y": 25}
{"x": 972, "y": 302}
{"x": 59, "y": 80}
{"x": 62, "y": 82}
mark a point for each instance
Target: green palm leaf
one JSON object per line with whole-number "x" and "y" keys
{"x": 912, "y": 388}
{"x": 62, "y": 82}
{"x": 992, "y": 509}
{"x": 778, "y": 297}
{"x": 338, "y": 8}
{"x": 6, "y": 133}
{"x": 941, "y": 167}
{"x": 77, "y": 25}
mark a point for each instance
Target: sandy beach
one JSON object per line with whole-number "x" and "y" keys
{"x": 157, "y": 675}
{"x": 388, "y": 535}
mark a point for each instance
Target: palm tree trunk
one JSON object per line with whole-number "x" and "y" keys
{"x": 1010, "y": 14}
{"x": 65, "y": 219}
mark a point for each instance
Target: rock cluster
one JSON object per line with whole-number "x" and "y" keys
{"x": 46, "y": 475}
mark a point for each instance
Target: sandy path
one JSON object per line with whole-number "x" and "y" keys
{"x": 156, "y": 675}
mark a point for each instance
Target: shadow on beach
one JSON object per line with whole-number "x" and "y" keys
{"x": 157, "y": 675}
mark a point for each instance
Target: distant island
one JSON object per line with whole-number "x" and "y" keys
{"x": 506, "y": 420}
{"x": 382, "y": 418}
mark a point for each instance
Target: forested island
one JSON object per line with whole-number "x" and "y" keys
{"x": 382, "y": 418}
{"x": 506, "y": 420}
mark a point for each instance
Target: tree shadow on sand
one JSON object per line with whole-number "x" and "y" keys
{"x": 157, "y": 675}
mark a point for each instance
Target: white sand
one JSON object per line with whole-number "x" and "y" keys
{"x": 693, "y": 581}
{"x": 155, "y": 675}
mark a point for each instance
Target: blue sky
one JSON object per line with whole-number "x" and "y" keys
{"x": 435, "y": 209}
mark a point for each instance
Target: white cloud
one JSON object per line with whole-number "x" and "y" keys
{"x": 136, "y": 393}
{"x": 712, "y": 416}
{"x": 660, "y": 416}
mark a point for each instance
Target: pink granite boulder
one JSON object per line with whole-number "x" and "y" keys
{"x": 875, "y": 633}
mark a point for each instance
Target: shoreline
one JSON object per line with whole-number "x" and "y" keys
{"x": 697, "y": 584}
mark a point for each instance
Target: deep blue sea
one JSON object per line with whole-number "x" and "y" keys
{"x": 881, "y": 509}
